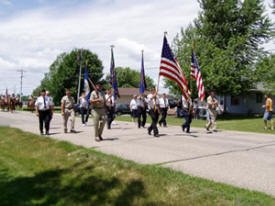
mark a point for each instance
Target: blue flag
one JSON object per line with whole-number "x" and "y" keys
{"x": 86, "y": 84}
{"x": 113, "y": 80}
{"x": 142, "y": 84}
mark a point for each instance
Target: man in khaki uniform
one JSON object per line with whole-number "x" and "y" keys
{"x": 97, "y": 99}
{"x": 68, "y": 110}
{"x": 212, "y": 105}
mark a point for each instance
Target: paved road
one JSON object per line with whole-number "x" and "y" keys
{"x": 238, "y": 158}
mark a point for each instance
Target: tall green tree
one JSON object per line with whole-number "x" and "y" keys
{"x": 129, "y": 78}
{"x": 265, "y": 72}
{"x": 227, "y": 36}
{"x": 64, "y": 73}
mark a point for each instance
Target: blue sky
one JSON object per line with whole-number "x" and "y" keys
{"x": 33, "y": 33}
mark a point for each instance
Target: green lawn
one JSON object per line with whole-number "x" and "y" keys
{"x": 237, "y": 123}
{"x": 39, "y": 171}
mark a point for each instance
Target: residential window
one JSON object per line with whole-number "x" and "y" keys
{"x": 235, "y": 100}
{"x": 259, "y": 98}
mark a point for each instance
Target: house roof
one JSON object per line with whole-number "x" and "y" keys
{"x": 129, "y": 91}
{"x": 133, "y": 91}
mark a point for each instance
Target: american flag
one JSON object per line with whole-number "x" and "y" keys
{"x": 196, "y": 74}
{"x": 170, "y": 68}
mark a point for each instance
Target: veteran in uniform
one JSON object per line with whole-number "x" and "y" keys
{"x": 153, "y": 106}
{"x": 97, "y": 99}
{"x": 68, "y": 111}
{"x": 212, "y": 104}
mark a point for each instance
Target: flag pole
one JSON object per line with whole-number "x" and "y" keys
{"x": 79, "y": 78}
{"x": 190, "y": 79}
{"x": 112, "y": 53}
{"x": 165, "y": 33}
{"x": 142, "y": 62}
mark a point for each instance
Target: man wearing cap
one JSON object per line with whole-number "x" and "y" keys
{"x": 97, "y": 99}
{"x": 164, "y": 105}
{"x": 141, "y": 105}
{"x": 110, "y": 107}
{"x": 48, "y": 95}
{"x": 43, "y": 107}
{"x": 153, "y": 106}
{"x": 68, "y": 111}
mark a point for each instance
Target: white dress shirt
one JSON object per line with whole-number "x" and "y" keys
{"x": 133, "y": 104}
{"x": 152, "y": 102}
{"x": 110, "y": 101}
{"x": 83, "y": 102}
{"x": 163, "y": 103}
{"x": 43, "y": 103}
{"x": 140, "y": 102}
{"x": 185, "y": 103}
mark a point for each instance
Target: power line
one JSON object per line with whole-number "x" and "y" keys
{"x": 21, "y": 81}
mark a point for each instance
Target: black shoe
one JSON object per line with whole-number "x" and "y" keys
{"x": 73, "y": 131}
{"x": 183, "y": 128}
{"x": 41, "y": 133}
{"x": 149, "y": 131}
{"x": 100, "y": 137}
{"x": 47, "y": 133}
{"x": 160, "y": 124}
{"x": 188, "y": 132}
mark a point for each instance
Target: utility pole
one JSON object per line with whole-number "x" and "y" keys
{"x": 21, "y": 81}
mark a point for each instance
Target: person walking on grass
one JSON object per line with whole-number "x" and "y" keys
{"x": 43, "y": 108}
{"x": 97, "y": 99}
{"x": 134, "y": 108}
{"x": 68, "y": 111}
{"x": 164, "y": 106}
{"x": 84, "y": 109}
{"x": 268, "y": 112}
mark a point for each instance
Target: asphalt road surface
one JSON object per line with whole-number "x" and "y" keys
{"x": 242, "y": 159}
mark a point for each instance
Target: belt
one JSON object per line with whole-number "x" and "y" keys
{"x": 43, "y": 110}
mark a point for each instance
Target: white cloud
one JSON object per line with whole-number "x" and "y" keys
{"x": 32, "y": 39}
{"x": 6, "y": 2}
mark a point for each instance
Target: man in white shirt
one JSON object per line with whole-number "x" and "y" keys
{"x": 164, "y": 106}
{"x": 187, "y": 111}
{"x": 84, "y": 108}
{"x": 134, "y": 108}
{"x": 110, "y": 107}
{"x": 141, "y": 103}
{"x": 48, "y": 95}
{"x": 153, "y": 106}
{"x": 43, "y": 108}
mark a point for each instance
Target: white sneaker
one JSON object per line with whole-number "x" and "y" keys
{"x": 86, "y": 123}
{"x": 83, "y": 125}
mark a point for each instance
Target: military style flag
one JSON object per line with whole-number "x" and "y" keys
{"x": 170, "y": 68}
{"x": 113, "y": 81}
{"x": 86, "y": 83}
{"x": 196, "y": 74}
{"x": 142, "y": 84}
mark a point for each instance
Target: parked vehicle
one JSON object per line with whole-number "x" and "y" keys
{"x": 122, "y": 109}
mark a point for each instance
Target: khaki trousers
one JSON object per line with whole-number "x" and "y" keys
{"x": 213, "y": 117}
{"x": 99, "y": 121}
{"x": 69, "y": 114}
